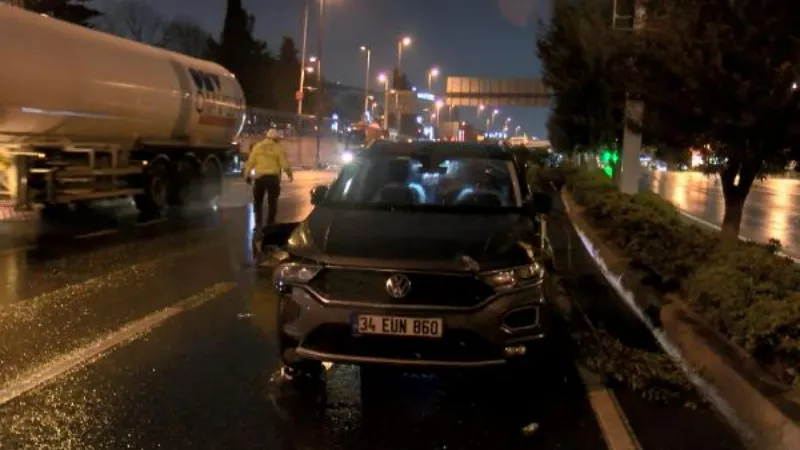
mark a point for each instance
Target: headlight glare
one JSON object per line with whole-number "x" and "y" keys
{"x": 510, "y": 278}
{"x": 295, "y": 273}
{"x": 347, "y": 157}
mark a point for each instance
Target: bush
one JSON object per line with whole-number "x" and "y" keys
{"x": 743, "y": 289}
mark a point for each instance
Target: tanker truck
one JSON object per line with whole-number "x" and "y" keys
{"x": 85, "y": 115}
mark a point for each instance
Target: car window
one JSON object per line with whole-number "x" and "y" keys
{"x": 455, "y": 182}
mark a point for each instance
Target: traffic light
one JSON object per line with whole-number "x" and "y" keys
{"x": 609, "y": 159}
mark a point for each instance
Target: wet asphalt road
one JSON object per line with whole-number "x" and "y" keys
{"x": 161, "y": 336}
{"x": 772, "y": 210}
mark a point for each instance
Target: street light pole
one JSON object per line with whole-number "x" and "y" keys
{"x": 366, "y": 81}
{"x": 403, "y": 42}
{"x": 301, "y": 91}
{"x": 321, "y": 88}
{"x": 383, "y": 78}
{"x": 433, "y": 73}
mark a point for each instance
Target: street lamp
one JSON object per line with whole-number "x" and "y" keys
{"x": 368, "y": 51}
{"x": 402, "y": 43}
{"x": 494, "y": 114}
{"x": 321, "y": 93}
{"x": 382, "y": 78}
{"x": 433, "y": 73}
{"x": 314, "y": 67}
{"x": 301, "y": 91}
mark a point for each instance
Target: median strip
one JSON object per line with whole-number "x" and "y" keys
{"x": 749, "y": 411}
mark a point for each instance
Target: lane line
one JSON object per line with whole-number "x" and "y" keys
{"x": 10, "y": 251}
{"x": 29, "y": 306}
{"x": 98, "y": 233}
{"x": 86, "y": 355}
{"x": 616, "y": 430}
{"x": 716, "y": 227}
{"x": 150, "y": 222}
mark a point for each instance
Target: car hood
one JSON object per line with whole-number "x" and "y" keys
{"x": 411, "y": 240}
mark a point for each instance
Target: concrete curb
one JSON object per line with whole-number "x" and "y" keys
{"x": 718, "y": 374}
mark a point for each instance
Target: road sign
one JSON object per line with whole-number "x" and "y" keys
{"x": 468, "y": 91}
{"x": 298, "y": 95}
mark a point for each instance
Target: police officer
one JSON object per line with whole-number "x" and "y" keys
{"x": 263, "y": 170}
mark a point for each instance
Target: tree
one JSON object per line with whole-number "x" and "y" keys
{"x": 721, "y": 73}
{"x": 75, "y": 11}
{"x": 286, "y": 76}
{"x": 579, "y": 54}
{"x": 185, "y": 36}
{"x": 244, "y": 55}
{"x": 136, "y": 20}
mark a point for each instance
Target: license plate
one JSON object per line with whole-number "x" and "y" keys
{"x": 398, "y": 326}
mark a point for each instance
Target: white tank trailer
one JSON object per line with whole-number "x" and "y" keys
{"x": 85, "y": 115}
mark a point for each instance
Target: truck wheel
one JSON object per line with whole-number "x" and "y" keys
{"x": 212, "y": 179}
{"x": 154, "y": 200}
{"x": 184, "y": 183}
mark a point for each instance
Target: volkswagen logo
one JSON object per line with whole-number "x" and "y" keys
{"x": 398, "y": 286}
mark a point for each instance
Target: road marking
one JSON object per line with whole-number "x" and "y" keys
{"x": 88, "y": 354}
{"x": 17, "y": 250}
{"x": 617, "y": 432}
{"x": 150, "y": 222}
{"x": 672, "y": 350}
{"x": 716, "y": 227}
{"x": 98, "y": 233}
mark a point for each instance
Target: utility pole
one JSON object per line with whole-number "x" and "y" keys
{"x": 321, "y": 88}
{"x": 301, "y": 91}
{"x": 368, "y": 51}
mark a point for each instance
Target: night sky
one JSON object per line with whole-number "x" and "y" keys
{"x": 492, "y": 38}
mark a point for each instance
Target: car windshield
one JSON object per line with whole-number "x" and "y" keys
{"x": 422, "y": 182}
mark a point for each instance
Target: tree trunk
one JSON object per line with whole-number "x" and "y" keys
{"x": 736, "y": 194}
{"x": 732, "y": 219}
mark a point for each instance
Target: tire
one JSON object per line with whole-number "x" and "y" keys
{"x": 184, "y": 186}
{"x": 212, "y": 177}
{"x": 154, "y": 201}
{"x": 287, "y": 345}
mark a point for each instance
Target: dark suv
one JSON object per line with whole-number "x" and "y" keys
{"x": 421, "y": 254}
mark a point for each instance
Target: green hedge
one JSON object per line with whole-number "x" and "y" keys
{"x": 750, "y": 294}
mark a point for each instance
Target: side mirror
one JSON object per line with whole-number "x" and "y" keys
{"x": 318, "y": 194}
{"x": 539, "y": 203}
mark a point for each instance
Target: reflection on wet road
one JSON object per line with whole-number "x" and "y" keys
{"x": 772, "y": 209}
{"x": 163, "y": 337}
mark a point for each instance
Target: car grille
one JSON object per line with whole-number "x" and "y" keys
{"x": 454, "y": 346}
{"x": 369, "y": 286}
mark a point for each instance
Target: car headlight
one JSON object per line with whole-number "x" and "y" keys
{"x": 347, "y": 157}
{"x": 513, "y": 277}
{"x": 294, "y": 272}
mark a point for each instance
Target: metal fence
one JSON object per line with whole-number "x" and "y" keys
{"x": 299, "y": 134}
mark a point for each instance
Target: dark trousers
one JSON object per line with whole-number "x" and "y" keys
{"x": 269, "y": 185}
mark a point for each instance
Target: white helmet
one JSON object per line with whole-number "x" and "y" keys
{"x": 272, "y": 133}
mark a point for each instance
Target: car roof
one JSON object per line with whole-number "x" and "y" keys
{"x": 439, "y": 149}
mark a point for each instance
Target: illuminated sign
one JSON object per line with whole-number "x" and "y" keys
{"x": 427, "y": 96}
